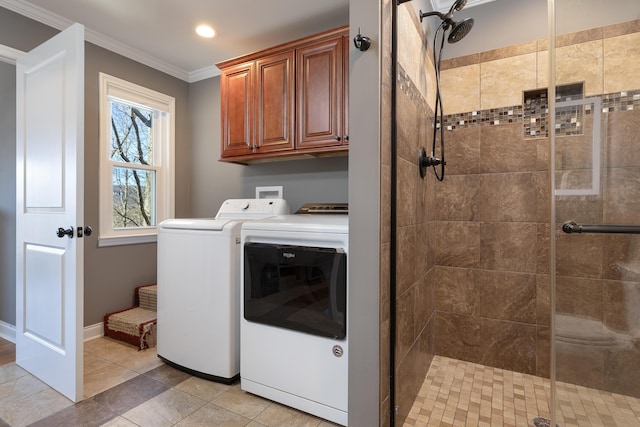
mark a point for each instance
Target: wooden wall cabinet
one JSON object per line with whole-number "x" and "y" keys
{"x": 286, "y": 102}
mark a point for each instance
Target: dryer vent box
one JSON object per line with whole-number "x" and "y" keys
{"x": 274, "y": 192}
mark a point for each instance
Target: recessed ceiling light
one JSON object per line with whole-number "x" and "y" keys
{"x": 205, "y": 31}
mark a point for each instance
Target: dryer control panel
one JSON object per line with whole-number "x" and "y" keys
{"x": 252, "y": 208}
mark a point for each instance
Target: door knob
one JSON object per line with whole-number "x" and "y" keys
{"x": 62, "y": 232}
{"x": 84, "y": 232}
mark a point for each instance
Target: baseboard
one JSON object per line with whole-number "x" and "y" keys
{"x": 8, "y": 332}
{"x": 93, "y": 331}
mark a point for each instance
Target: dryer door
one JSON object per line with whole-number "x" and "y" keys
{"x": 296, "y": 287}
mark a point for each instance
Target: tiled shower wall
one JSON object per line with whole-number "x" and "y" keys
{"x": 472, "y": 259}
{"x": 492, "y": 213}
{"x": 415, "y": 292}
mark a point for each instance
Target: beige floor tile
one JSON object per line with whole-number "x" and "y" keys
{"x": 93, "y": 362}
{"x": 166, "y": 409}
{"x": 119, "y": 422}
{"x": 20, "y": 388}
{"x": 278, "y": 415}
{"x": 105, "y": 378}
{"x": 212, "y": 415}
{"x": 10, "y": 372}
{"x": 204, "y": 389}
{"x": 143, "y": 361}
{"x": 241, "y": 402}
{"x": 33, "y": 408}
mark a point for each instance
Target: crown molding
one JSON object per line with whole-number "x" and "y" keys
{"x": 60, "y": 23}
{"x": 9, "y": 54}
{"x": 203, "y": 73}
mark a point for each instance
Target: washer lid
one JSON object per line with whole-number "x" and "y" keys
{"x": 195, "y": 224}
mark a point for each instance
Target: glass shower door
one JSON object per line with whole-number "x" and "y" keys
{"x": 595, "y": 291}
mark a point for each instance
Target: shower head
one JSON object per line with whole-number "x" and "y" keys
{"x": 458, "y": 5}
{"x": 459, "y": 29}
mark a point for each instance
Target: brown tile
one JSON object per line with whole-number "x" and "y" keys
{"x": 456, "y": 290}
{"x": 406, "y": 192}
{"x": 509, "y": 51}
{"x": 385, "y": 204}
{"x": 457, "y": 198}
{"x": 507, "y": 197}
{"x": 623, "y": 139}
{"x": 579, "y": 364}
{"x": 621, "y": 29}
{"x": 543, "y": 247}
{"x": 543, "y": 352}
{"x": 506, "y": 295}
{"x": 620, "y": 257}
{"x": 130, "y": 394}
{"x": 384, "y": 281}
{"x": 620, "y": 308}
{"x": 462, "y": 147}
{"x": 579, "y": 297}
{"x": 509, "y": 246}
{"x": 621, "y": 374}
{"x": 385, "y": 357}
{"x": 543, "y": 299}
{"x": 578, "y": 255}
{"x": 458, "y": 244}
{"x": 425, "y": 300}
{"x": 406, "y": 258}
{"x": 621, "y": 196}
{"x": 168, "y": 375}
{"x": 406, "y": 386}
{"x": 460, "y": 61}
{"x": 579, "y": 37}
{"x": 86, "y": 413}
{"x": 407, "y": 121}
{"x": 425, "y": 257}
{"x": 504, "y": 149}
{"x": 543, "y": 196}
{"x": 405, "y": 323}
{"x": 542, "y": 153}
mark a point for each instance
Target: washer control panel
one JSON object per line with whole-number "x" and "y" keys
{"x": 252, "y": 208}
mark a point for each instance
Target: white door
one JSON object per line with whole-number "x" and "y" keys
{"x": 50, "y": 195}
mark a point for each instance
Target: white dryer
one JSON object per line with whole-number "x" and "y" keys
{"x": 199, "y": 288}
{"x": 294, "y": 312}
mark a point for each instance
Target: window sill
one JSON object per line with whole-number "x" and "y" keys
{"x": 127, "y": 240}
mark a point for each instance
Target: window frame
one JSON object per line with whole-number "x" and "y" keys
{"x": 113, "y": 88}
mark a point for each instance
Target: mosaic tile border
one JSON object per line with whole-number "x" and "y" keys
{"x": 533, "y": 115}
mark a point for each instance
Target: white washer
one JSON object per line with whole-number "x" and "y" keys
{"x": 199, "y": 288}
{"x": 293, "y": 322}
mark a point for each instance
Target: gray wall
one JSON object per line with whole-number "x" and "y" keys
{"x": 507, "y": 22}
{"x": 8, "y": 192}
{"x": 312, "y": 180}
{"x": 111, "y": 273}
{"x": 23, "y": 34}
{"x": 364, "y": 215}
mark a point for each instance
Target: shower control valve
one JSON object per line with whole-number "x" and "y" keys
{"x": 425, "y": 161}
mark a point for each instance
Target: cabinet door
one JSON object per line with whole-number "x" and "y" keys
{"x": 319, "y": 94}
{"x": 274, "y": 103}
{"x": 236, "y": 94}
{"x": 346, "y": 43}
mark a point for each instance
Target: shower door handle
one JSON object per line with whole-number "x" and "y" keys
{"x": 571, "y": 227}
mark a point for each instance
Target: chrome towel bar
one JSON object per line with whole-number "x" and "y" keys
{"x": 571, "y": 227}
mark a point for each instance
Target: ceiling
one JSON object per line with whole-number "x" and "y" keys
{"x": 161, "y": 33}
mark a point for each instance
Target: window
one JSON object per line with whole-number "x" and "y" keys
{"x": 136, "y": 161}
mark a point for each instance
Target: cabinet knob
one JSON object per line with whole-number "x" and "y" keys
{"x": 337, "y": 138}
{"x": 346, "y": 137}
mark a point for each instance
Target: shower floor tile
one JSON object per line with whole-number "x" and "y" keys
{"x": 458, "y": 393}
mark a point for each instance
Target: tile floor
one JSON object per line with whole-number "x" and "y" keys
{"x": 457, "y": 393}
{"x": 124, "y": 387}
